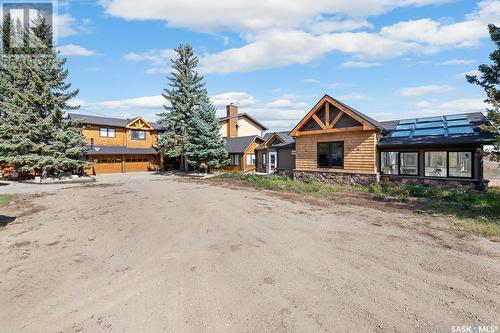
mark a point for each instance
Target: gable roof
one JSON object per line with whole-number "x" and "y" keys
{"x": 283, "y": 136}
{"x": 479, "y": 136}
{"x": 367, "y": 121}
{"x": 245, "y": 115}
{"x": 240, "y": 145}
{"x": 109, "y": 121}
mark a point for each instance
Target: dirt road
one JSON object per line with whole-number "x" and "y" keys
{"x": 158, "y": 254}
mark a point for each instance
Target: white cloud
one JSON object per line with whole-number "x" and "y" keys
{"x": 461, "y": 76}
{"x": 66, "y": 25}
{"x": 146, "y": 102}
{"x": 351, "y": 97}
{"x": 326, "y": 26}
{"x": 156, "y": 57}
{"x": 75, "y": 50}
{"x": 238, "y": 98}
{"x": 310, "y": 80}
{"x": 458, "y": 62}
{"x": 280, "y": 33}
{"x": 284, "y": 103}
{"x": 360, "y": 64}
{"x": 251, "y": 15}
{"x": 452, "y": 106}
{"x": 424, "y": 90}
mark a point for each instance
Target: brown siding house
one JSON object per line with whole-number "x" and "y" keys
{"x": 336, "y": 143}
{"x": 120, "y": 145}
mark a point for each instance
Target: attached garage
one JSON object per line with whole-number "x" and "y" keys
{"x": 107, "y": 164}
{"x": 139, "y": 163}
{"x": 117, "y": 159}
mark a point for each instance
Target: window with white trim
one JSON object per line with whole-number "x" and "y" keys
{"x": 251, "y": 159}
{"x": 105, "y": 132}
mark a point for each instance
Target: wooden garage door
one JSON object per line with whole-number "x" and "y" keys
{"x": 136, "y": 163}
{"x": 107, "y": 165}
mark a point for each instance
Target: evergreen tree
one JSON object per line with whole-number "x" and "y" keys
{"x": 7, "y": 34}
{"x": 207, "y": 147}
{"x": 490, "y": 81}
{"x": 185, "y": 95}
{"x": 35, "y": 135}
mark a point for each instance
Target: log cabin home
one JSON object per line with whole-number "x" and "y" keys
{"x": 243, "y": 134}
{"x": 338, "y": 144}
{"x": 120, "y": 145}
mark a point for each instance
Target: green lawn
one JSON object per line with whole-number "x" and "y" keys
{"x": 4, "y": 199}
{"x": 474, "y": 212}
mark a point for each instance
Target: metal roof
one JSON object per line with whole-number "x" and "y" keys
{"x": 108, "y": 121}
{"x": 239, "y": 145}
{"x": 119, "y": 150}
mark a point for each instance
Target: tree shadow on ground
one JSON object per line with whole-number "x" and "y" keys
{"x": 6, "y": 220}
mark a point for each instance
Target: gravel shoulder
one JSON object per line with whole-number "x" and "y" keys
{"x": 153, "y": 253}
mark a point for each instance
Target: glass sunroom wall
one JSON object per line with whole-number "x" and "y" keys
{"x": 409, "y": 163}
{"x": 460, "y": 164}
{"x": 435, "y": 164}
{"x": 389, "y": 163}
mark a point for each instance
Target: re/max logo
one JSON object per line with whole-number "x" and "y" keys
{"x": 474, "y": 329}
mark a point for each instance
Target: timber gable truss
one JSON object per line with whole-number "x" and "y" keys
{"x": 330, "y": 116}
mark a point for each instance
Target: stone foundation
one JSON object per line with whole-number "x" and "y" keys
{"x": 284, "y": 172}
{"x": 336, "y": 177}
{"x": 463, "y": 184}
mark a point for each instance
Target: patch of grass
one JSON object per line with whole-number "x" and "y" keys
{"x": 473, "y": 212}
{"x": 5, "y": 199}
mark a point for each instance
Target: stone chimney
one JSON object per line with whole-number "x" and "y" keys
{"x": 232, "y": 123}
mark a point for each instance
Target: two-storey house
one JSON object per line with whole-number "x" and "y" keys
{"x": 120, "y": 145}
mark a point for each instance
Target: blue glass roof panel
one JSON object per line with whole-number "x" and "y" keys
{"x": 400, "y": 134}
{"x": 456, "y": 117}
{"x": 404, "y": 127}
{"x": 460, "y": 130}
{"x": 435, "y": 124}
{"x": 429, "y": 131}
{"x": 427, "y": 119}
{"x": 406, "y": 121}
{"x": 458, "y": 123}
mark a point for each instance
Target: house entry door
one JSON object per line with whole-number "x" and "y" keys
{"x": 273, "y": 161}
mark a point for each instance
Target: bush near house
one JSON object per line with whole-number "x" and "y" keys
{"x": 474, "y": 212}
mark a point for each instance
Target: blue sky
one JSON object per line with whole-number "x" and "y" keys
{"x": 389, "y": 59}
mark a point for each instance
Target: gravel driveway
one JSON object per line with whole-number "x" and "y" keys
{"x": 144, "y": 253}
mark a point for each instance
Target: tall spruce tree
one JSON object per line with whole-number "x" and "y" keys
{"x": 489, "y": 80}
{"x": 7, "y": 34}
{"x": 206, "y": 147}
{"x": 186, "y": 94}
{"x": 35, "y": 135}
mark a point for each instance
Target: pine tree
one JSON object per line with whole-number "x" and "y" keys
{"x": 186, "y": 94}
{"x": 490, "y": 81}
{"x": 35, "y": 135}
{"x": 207, "y": 147}
{"x": 7, "y": 34}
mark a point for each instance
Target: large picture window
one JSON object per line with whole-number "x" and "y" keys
{"x": 138, "y": 135}
{"x": 436, "y": 164}
{"x": 389, "y": 163}
{"x": 408, "y": 163}
{"x": 331, "y": 154}
{"x": 234, "y": 159}
{"x": 460, "y": 164}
